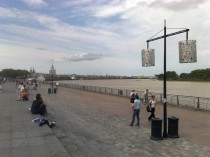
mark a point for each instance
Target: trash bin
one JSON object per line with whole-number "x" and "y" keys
{"x": 55, "y": 90}
{"x": 49, "y": 90}
{"x": 173, "y": 127}
{"x": 156, "y": 129}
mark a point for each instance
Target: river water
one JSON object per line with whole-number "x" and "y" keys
{"x": 197, "y": 89}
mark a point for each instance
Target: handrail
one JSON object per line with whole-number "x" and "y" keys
{"x": 200, "y": 103}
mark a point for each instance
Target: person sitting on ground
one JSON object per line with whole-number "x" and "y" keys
{"x": 34, "y": 86}
{"x": 38, "y": 106}
{"x": 1, "y": 86}
{"x": 24, "y": 95}
{"x": 21, "y": 87}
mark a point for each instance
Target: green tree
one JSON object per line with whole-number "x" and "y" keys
{"x": 184, "y": 76}
{"x": 11, "y": 73}
{"x": 200, "y": 74}
{"x": 159, "y": 76}
{"x": 195, "y": 75}
{"x": 170, "y": 75}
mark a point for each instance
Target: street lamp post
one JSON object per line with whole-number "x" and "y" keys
{"x": 52, "y": 83}
{"x": 52, "y": 72}
{"x": 187, "y": 55}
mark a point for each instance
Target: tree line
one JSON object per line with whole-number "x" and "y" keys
{"x": 11, "y": 73}
{"x": 195, "y": 75}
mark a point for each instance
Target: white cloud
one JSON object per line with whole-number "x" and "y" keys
{"x": 6, "y": 13}
{"x": 108, "y": 11}
{"x": 79, "y": 57}
{"x": 35, "y": 2}
{"x": 114, "y": 8}
{"x": 77, "y": 2}
{"x": 58, "y": 30}
{"x": 177, "y": 4}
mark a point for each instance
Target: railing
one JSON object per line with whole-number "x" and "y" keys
{"x": 177, "y": 100}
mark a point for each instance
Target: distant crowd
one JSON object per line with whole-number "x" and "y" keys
{"x": 23, "y": 87}
{"x": 38, "y": 105}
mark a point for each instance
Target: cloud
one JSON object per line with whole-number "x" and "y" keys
{"x": 55, "y": 32}
{"x": 176, "y": 4}
{"x": 79, "y": 57}
{"x": 77, "y": 2}
{"x": 108, "y": 11}
{"x": 114, "y": 8}
{"x": 35, "y": 2}
{"x": 6, "y": 13}
{"x": 42, "y": 49}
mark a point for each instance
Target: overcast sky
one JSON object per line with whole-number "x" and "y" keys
{"x": 100, "y": 36}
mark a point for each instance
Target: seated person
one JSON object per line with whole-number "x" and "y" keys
{"x": 38, "y": 106}
{"x": 24, "y": 95}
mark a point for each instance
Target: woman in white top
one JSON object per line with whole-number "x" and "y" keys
{"x": 152, "y": 105}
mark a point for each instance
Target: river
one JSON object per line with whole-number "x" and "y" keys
{"x": 197, "y": 89}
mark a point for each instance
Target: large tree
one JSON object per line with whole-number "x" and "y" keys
{"x": 170, "y": 75}
{"x": 184, "y": 76}
{"x": 11, "y": 73}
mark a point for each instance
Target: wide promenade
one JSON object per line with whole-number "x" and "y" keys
{"x": 92, "y": 125}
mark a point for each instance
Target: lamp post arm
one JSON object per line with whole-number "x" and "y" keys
{"x": 168, "y": 35}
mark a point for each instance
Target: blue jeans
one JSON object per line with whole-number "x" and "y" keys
{"x": 136, "y": 113}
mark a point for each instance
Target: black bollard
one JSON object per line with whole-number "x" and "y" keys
{"x": 49, "y": 90}
{"x": 156, "y": 129}
{"x": 173, "y": 127}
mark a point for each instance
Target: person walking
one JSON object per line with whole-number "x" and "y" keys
{"x": 132, "y": 98}
{"x": 152, "y": 105}
{"x": 136, "y": 110}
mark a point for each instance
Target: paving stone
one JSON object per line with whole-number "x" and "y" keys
{"x": 19, "y": 136}
{"x": 87, "y": 125}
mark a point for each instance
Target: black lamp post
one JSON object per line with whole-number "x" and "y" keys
{"x": 52, "y": 72}
{"x": 187, "y": 54}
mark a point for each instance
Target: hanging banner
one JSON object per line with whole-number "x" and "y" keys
{"x": 148, "y": 57}
{"x": 187, "y": 51}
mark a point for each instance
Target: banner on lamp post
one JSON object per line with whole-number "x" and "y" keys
{"x": 187, "y": 51}
{"x": 148, "y": 57}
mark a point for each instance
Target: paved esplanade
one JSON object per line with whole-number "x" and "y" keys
{"x": 93, "y": 125}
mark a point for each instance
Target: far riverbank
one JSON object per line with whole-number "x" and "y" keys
{"x": 196, "y": 89}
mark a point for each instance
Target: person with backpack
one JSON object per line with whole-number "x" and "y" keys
{"x": 132, "y": 98}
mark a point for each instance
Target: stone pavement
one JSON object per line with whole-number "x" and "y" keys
{"x": 92, "y": 125}
{"x": 19, "y": 137}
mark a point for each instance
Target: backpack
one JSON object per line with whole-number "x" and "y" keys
{"x": 133, "y": 95}
{"x": 148, "y": 107}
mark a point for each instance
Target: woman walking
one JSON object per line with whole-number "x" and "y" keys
{"x": 136, "y": 110}
{"x": 152, "y": 105}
